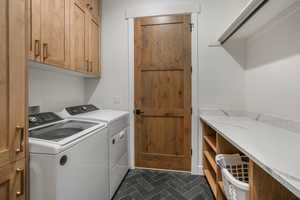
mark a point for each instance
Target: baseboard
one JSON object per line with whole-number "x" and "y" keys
{"x": 198, "y": 170}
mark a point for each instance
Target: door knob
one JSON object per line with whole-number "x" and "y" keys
{"x": 138, "y": 112}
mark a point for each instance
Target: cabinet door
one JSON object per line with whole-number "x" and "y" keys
{"x": 54, "y": 32}
{"x": 94, "y": 8}
{"x": 18, "y": 79}
{"x": 5, "y": 144}
{"x": 34, "y": 30}
{"x": 6, "y": 182}
{"x": 13, "y": 182}
{"x": 19, "y": 180}
{"x": 94, "y": 48}
{"x": 84, "y": 3}
{"x": 12, "y": 80}
{"x": 78, "y": 38}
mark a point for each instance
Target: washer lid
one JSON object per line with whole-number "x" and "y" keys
{"x": 57, "y": 137}
{"x": 60, "y": 131}
{"x": 103, "y": 115}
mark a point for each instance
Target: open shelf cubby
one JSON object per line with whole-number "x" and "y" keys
{"x": 213, "y": 144}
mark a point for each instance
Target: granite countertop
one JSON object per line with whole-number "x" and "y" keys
{"x": 274, "y": 149}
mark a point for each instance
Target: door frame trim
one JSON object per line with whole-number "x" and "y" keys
{"x": 164, "y": 9}
{"x": 196, "y": 166}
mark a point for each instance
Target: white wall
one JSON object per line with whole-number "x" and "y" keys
{"x": 273, "y": 69}
{"x": 54, "y": 90}
{"x": 112, "y": 90}
{"x": 216, "y": 65}
{"x": 221, "y": 77}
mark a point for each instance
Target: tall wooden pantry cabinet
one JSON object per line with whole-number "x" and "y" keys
{"x": 13, "y": 126}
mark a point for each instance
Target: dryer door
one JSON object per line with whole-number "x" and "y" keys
{"x": 118, "y": 159}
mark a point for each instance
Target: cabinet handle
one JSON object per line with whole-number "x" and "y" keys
{"x": 91, "y": 8}
{"x": 87, "y": 65}
{"x": 45, "y": 51}
{"x": 91, "y": 66}
{"x": 22, "y": 181}
{"x": 22, "y": 131}
{"x": 37, "y": 46}
{"x": 88, "y": 5}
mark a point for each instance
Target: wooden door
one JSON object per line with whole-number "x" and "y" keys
{"x": 12, "y": 80}
{"x": 163, "y": 92}
{"x": 54, "y": 32}
{"x": 94, "y": 48}
{"x": 12, "y": 181}
{"x": 78, "y": 37}
{"x": 34, "y": 30}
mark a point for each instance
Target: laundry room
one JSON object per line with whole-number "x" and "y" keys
{"x": 150, "y": 100}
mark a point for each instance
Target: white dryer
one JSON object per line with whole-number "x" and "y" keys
{"x": 118, "y": 130}
{"x": 68, "y": 158}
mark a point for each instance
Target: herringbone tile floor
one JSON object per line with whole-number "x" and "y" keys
{"x": 142, "y": 184}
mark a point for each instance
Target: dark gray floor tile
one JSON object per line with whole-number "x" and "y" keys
{"x": 142, "y": 184}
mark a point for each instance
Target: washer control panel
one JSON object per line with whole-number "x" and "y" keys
{"x": 42, "y": 119}
{"x": 76, "y": 110}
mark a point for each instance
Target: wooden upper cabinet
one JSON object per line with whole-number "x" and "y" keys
{"x": 34, "y": 30}
{"x": 84, "y": 40}
{"x": 13, "y": 73}
{"x": 55, "y": 32}
{"x": 78, "y": 37}
{"x": 49, "y": 31}
{"x": 65, "y": 33}
{"x": 94, "y": 48}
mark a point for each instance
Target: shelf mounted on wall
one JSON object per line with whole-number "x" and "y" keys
{"x": 256, "y": 15}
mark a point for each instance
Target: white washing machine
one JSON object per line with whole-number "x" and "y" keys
{"x": 118, "y": 130}
{"x": 68, "y": 158}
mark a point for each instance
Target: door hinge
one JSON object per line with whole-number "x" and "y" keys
{"x": 191, "y": 27}
{"x": 191, "y": 69}
{"x": 191, "y": 110}
{"x": 191, "y": 152}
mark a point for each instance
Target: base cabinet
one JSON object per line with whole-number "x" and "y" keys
{"x": 13, "y": 181}
{"x": 260, "y": 182}
{"x": 262, "y": 185}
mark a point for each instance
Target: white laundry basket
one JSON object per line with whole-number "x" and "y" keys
{"x": 235, "y": 175}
